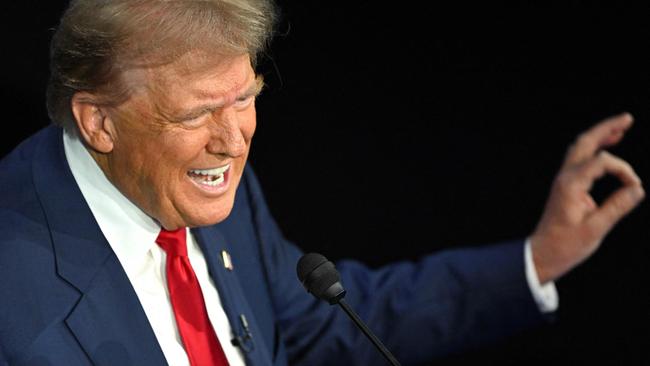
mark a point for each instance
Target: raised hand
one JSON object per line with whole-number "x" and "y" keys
{"x": 573, "y": 225}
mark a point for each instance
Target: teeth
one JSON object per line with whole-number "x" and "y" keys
{"x": 215, "y": 182}
{"x": 216, "y": 171}
{"x": 209, "y": 177}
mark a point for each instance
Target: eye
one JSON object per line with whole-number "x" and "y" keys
{"x": 193, "y": 121}
{"x": 244, "y": 102}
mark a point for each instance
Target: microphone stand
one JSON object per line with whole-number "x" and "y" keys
{"x": 380, "y": 346}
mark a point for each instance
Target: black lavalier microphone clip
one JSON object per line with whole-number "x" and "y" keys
{"x": 245, "y": 341}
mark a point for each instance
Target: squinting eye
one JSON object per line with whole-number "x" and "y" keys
{"x": 244, "y": 102}
{"x": 194, "y": 121}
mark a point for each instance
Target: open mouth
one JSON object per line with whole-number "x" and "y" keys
{"x": 209, "y": 177}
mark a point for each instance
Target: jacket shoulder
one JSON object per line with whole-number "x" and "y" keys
{"x": 16, "y": 171}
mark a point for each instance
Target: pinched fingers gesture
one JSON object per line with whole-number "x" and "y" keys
{"x": 573, "y": 225}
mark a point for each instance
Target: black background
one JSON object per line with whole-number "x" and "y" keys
{"x": 389, "y": 131}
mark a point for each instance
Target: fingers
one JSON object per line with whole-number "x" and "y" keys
{"x": 573, "y": 225}
{"x": 606, "y": 133}
{"x": 606, "y": 163}
{"x": 619, "y": 204}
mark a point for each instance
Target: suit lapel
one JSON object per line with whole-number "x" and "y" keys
{"x": 108, "y": 320}
{"x": 255, "y": 350}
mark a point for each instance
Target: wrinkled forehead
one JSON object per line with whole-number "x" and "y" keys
{"x": 194, "y": 71}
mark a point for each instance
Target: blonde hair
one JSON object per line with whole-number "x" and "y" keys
{"x": 97, "y": 40}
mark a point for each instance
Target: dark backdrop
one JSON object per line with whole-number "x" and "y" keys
{"x": 387, "y": 132}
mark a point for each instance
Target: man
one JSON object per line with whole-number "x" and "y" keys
{"x": 136, "y": 235}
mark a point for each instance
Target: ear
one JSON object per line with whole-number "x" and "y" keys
{"x": 95, "y": 127}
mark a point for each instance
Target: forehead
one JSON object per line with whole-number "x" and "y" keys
{"x": 197, "y": 75}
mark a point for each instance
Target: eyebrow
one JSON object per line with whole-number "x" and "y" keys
{"x": 254, "y": 89}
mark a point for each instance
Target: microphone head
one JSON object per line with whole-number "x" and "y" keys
{"x": 320, "y": 277}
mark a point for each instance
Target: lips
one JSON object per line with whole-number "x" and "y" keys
{"x": 209, "y": 177}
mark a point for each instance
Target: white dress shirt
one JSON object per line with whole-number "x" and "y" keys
{"x": 545, "y": 296}
{"x": 132, "y": 234}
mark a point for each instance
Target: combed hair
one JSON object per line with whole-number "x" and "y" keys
{"x": 97, "y": 40}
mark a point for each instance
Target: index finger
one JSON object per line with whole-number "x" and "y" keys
{"x": 606, "y": 133}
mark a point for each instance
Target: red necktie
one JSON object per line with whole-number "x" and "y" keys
{"x": 197, "y": 334}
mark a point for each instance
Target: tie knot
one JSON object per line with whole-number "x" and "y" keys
{"x": 173, "y": 242}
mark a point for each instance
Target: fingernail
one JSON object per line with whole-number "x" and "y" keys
{"x": 628, "y": 115}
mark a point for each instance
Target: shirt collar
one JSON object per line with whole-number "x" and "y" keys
{"x": 130, "y": 232}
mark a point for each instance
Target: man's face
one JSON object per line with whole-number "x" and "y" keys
{"x": 181, "y": 140}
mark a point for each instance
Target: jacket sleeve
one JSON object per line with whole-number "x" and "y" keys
{"x": 442, "y": 304}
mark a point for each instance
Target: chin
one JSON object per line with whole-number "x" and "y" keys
{"x": 210, "y": 216}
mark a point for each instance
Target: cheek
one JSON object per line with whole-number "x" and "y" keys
{"x": 181, "y": 147}
{"x": 131, "y": 155}
{"x": 161, "y": 163}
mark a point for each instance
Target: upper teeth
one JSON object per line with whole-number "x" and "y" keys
{"x": 215, "y": 171}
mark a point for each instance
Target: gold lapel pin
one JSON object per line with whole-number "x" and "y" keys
{"x": 227, "y": 262}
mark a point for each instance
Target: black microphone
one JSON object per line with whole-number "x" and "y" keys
{"x": 321, "y": 279}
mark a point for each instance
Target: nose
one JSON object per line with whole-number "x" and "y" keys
{"x": 227, "y": 137}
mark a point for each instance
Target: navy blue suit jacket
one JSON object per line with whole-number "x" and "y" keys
{"x": 65, "y": 299}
